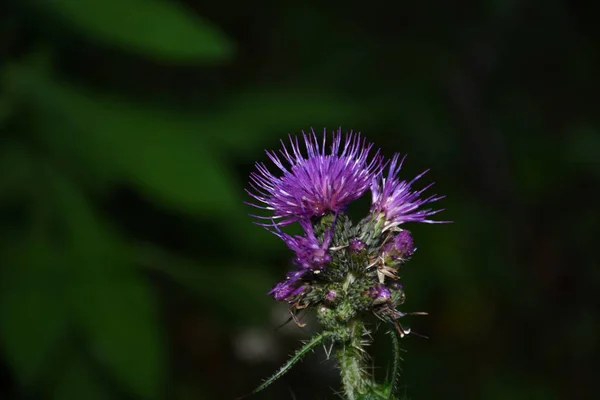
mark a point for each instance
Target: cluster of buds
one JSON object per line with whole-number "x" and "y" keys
{"x": 345, "y": 270}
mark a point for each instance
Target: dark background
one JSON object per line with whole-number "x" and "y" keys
{"x": 130, "y": 269}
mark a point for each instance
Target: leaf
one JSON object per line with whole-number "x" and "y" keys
{"x": 16, "y": 166}
{"x": 157, "y": 151}
{"x": 212, "y": 283}
{"x": 111, "y": 305}
{"x": 157, "y": 28}
{"x": 108, "y": 139}
{"x": 117, "y": 314}
{"x": 314, "y": 342}
{"x": 33, "y": 323}
{"x": 259, "y": 116}
{"x": 33, "y": 315}
{"x": 6, "y": 108}
{"x": 78, "y": 381}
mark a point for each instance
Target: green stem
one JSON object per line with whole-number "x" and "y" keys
{"x": 351, "y": 360}
{"x": 396, "y": 366}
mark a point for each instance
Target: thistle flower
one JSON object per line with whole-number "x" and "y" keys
{"x": 287, "y": 290}
{"x": 400, "y": 248}
{"x": 290, "y": 287}
{"x": 331, "y": 296}
{"x": 396, "y": 202}
{"x": 356, "y": 245}
{"x": 380, "y": 294}
{"x": 317, "y": 183}
{"x": 345, "y": 269}
{"x": 310, "y": 252}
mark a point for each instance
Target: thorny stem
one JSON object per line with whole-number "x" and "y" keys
{"x": 350, "y": 357}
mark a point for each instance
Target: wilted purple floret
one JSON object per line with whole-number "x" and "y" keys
{"x": 315, "y": 183}
{"x": 397, "y": 202}
{"x": 311, "y": 253}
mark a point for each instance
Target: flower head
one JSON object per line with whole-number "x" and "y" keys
{"x": 401, "y": 247}
{"x": 356, "y": 245}
{"x": 331, "y": 296}
{"x": 379, "y": 293}
{"x": 287, "y": 290}
{"x": 396, "y": 202}
{"x": 290, "y": 287}
{"x": 318, "y": 182}
{"x": 311, "y": 253}
{"x": 343, "y": 267}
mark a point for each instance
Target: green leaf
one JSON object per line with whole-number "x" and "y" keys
{"x": 16, "y": 168}
{"x": 157, "y": 151}
{"x": 32, "y": 322}
{"x": 6, "y": 108}
{"x": 310, "y": 345}
{"x": 262, "y": 116}
{"x": 33, "y": 314}
{"x": 160, "y": 152}
{"x": 111, "y": 305}
{"x": 249, "y": 282}
{"x": 78, "y": 381}
{"x": 117, "y": 314}
{"x": 157, "y": 28}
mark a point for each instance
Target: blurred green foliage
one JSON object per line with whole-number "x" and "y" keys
{"x": 129, "y": 267}
{"x": 154, "y": 28}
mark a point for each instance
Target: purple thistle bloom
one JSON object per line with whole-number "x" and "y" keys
{"x": 310, "y": 252}
{"x": 400, "y": 247}
{"x": 289, "y": 288}
{"x": 380, "y": 294}
{"x": 318, "y": 183}
{"x": 282, "y": 290}
{"x": 294, "y": 276}
{"x": 356, "y": 245}
{"x": 286, "y": 290}
{"x": 331, "y": 296}
{"x": 397, "y": 203}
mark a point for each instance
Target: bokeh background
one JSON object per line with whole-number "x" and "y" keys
{"x": 130, "y": 269}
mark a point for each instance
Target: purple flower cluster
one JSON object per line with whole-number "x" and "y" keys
{"x": 311, "y": 255}
{"x": 380, "y": 294}
{"x": 289, "y": 288}
{"x": 319, "y": 182}
{"x": 401, "y": 247}
{"x": 396, "y": 202}
{"x": 323, "y": 180}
